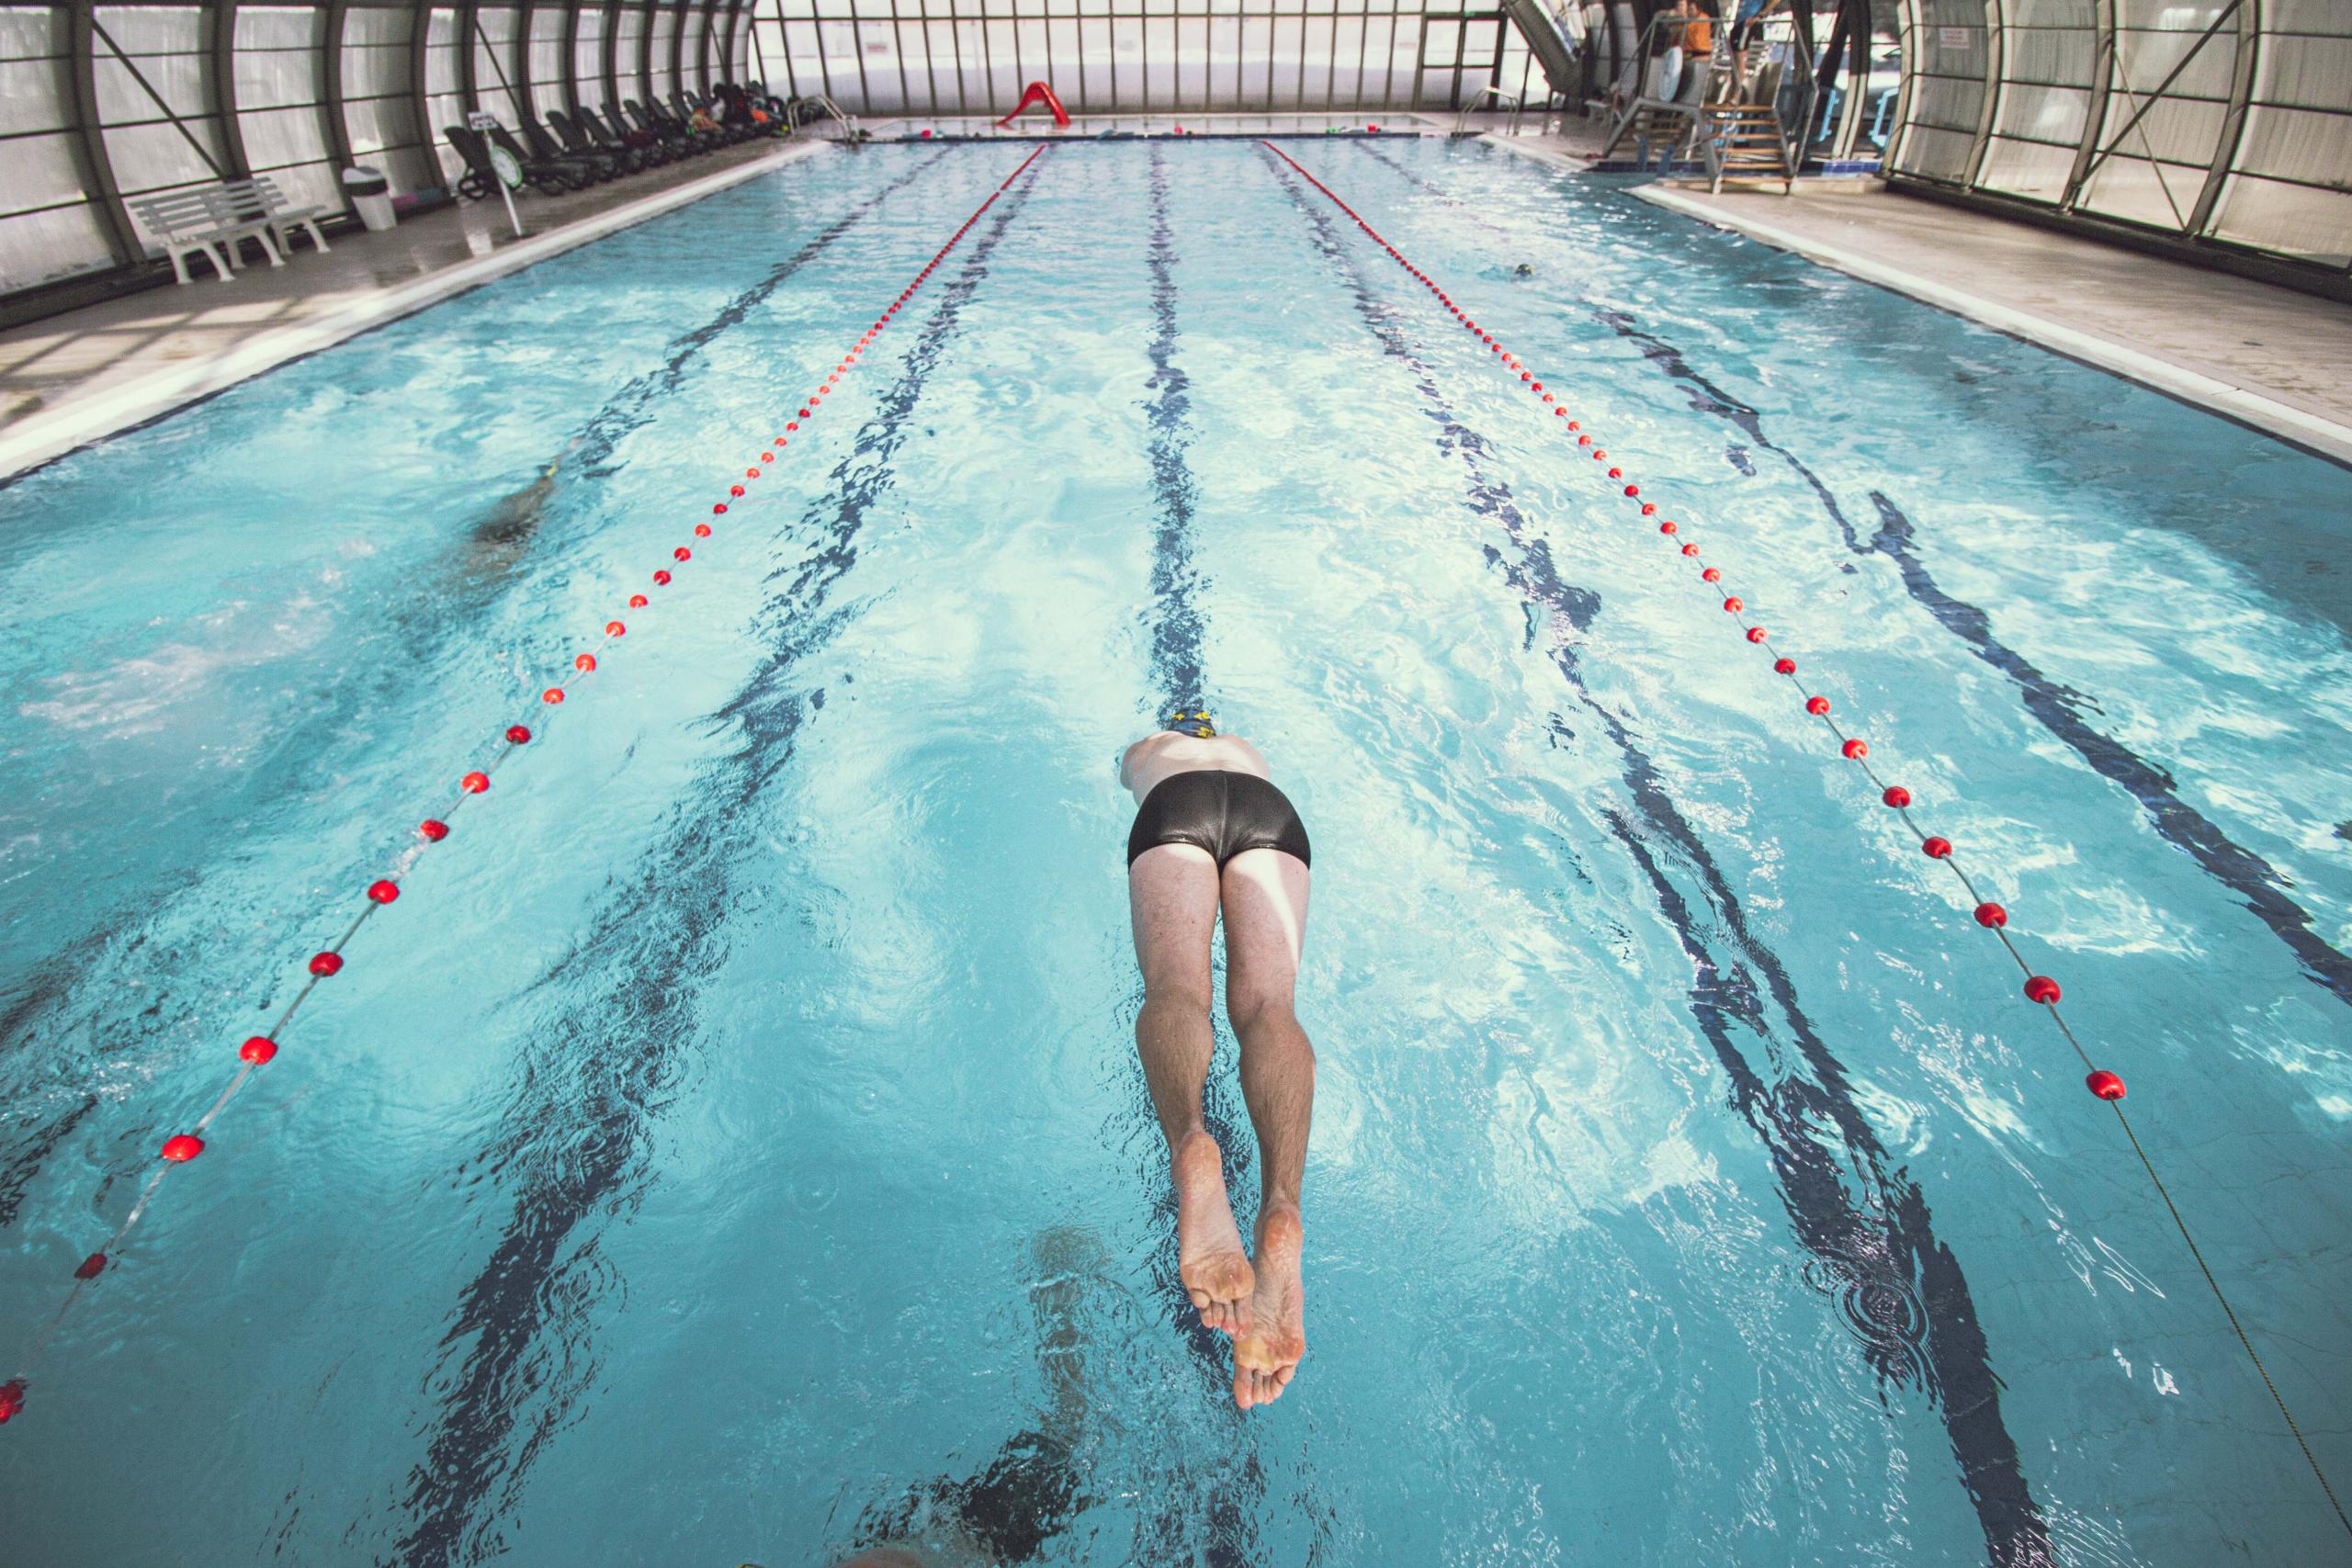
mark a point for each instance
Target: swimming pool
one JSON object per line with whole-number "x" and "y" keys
{"x": 731, "y": 1146}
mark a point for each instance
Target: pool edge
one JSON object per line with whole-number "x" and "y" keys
{"x": 44, "y": 438}
{"x": 2308, "y": 431}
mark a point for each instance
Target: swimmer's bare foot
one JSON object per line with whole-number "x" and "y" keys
{"x": 1265, "y": 1358}
{"x": 1210, "y": 1261}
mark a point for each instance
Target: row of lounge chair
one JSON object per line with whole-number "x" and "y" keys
{"x": 574, "y": 151}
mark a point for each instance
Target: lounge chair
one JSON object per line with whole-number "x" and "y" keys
{"x": 578, "y": 171}
{"x": 598, "y": 165}
{"x": 480, "y": 181}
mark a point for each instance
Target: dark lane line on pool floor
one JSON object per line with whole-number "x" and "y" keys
{"x": 490, "y": 555}
{"x": 626, "y": 410}
{"x": 2055, "y": 706}
{"x": 1897, "y": 1287}
{"x": 594, "y": 1079}
{"x": 1177, "y": 622}
{"x": 1031, "y": 1491}
{"x": 1229, "y": 1504}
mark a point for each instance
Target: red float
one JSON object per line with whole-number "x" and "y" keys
{"x": 433, "y": 829}
{"x": 585, "y": 662}
{"x": 1734, "y": 605}
{"x": 1896, "y": 797}
{"x": 182, "y": 1147}
{"x": 662, "y": 579}
{"x": 1937, "y": 847}
{"x": 1710, "y": 574}
{"x": 1756, "y": 634}
{"x": 383, "y": 890}
{"x": 12, "y": 1398}
{"x": 258, "y": 1049}
{"x": 2042, "y": 989}
{"x": 682, "y": 553}
{"x": 734, "y": 490}
{"x": 1816, "y": 704}
{"x": 474, "y": 783}
{"x": 638, "y": 601}
{"x": 552, "y": 695}
{"x": 90, "y": 1268}
{"x": 2104, "y": 1084}
{"x": 720, "y": 510}
{"x": 1784, "y": 666}
{"x": 1856, "y": 750}
{"x": 614, "y": 628}
{"x": 1991, "y": 915}
{"x": 325, "y": 963}
{"x": 1668, "y": 527}
{"x": 702, "y": 530}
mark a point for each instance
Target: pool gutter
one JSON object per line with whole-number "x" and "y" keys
{"x": 42, "y": 437}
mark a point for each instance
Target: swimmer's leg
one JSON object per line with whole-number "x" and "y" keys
{"x": 1172, "y": 897}
{"x": 1265, "y": 928}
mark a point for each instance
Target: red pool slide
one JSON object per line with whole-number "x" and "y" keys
{"x": 1036, "y": 93}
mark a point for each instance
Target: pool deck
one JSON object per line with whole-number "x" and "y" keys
{"x": 2266, "y": 357}
{"x": 77, "y": 377}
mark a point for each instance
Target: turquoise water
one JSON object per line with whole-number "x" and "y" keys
{"x": 731, "y": 1146}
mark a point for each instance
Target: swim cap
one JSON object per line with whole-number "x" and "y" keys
{"x": 1196, "y": 724}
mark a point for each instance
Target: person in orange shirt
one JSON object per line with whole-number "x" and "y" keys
{"x": 1699, "y": 32}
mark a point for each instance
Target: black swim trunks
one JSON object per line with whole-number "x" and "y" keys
{"x": 1223, "y": 813}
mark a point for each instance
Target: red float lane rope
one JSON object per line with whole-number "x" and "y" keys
{"x": 2039, "y": 988}
{"x": 260, "y": 1049}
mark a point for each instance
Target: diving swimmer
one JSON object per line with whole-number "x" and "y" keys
{"x": 1212, "y": 830}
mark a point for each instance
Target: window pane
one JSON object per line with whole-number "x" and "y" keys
{"x": 2294, "y": 219}
{"x": 41, "y": 247}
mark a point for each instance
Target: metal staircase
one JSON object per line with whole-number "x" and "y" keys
{"x": 1746, "y": 142}
{"x": 1735, "y": 126}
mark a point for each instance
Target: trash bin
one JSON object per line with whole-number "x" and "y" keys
{"x": 370, "y": 197}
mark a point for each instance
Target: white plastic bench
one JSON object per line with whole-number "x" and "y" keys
{"x": 212, "y": 221}
{"x": 198, "y": 221}
{"x": 260, "y": 194}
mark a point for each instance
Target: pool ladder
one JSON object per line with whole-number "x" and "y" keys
{"x": 1502, "y": 100}
{"x": 849, "y": 131}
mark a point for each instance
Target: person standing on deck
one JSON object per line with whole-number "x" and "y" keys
{"x": 1211, "y": 832}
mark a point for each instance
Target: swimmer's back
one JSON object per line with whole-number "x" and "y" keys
{"x": 1168, "y": 753}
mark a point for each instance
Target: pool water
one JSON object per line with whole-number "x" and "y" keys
{"x": 731, "y": 1147}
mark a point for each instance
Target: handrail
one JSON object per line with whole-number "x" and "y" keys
{"x": 825, "y": 102}
{"x": 1518, "y": 107}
